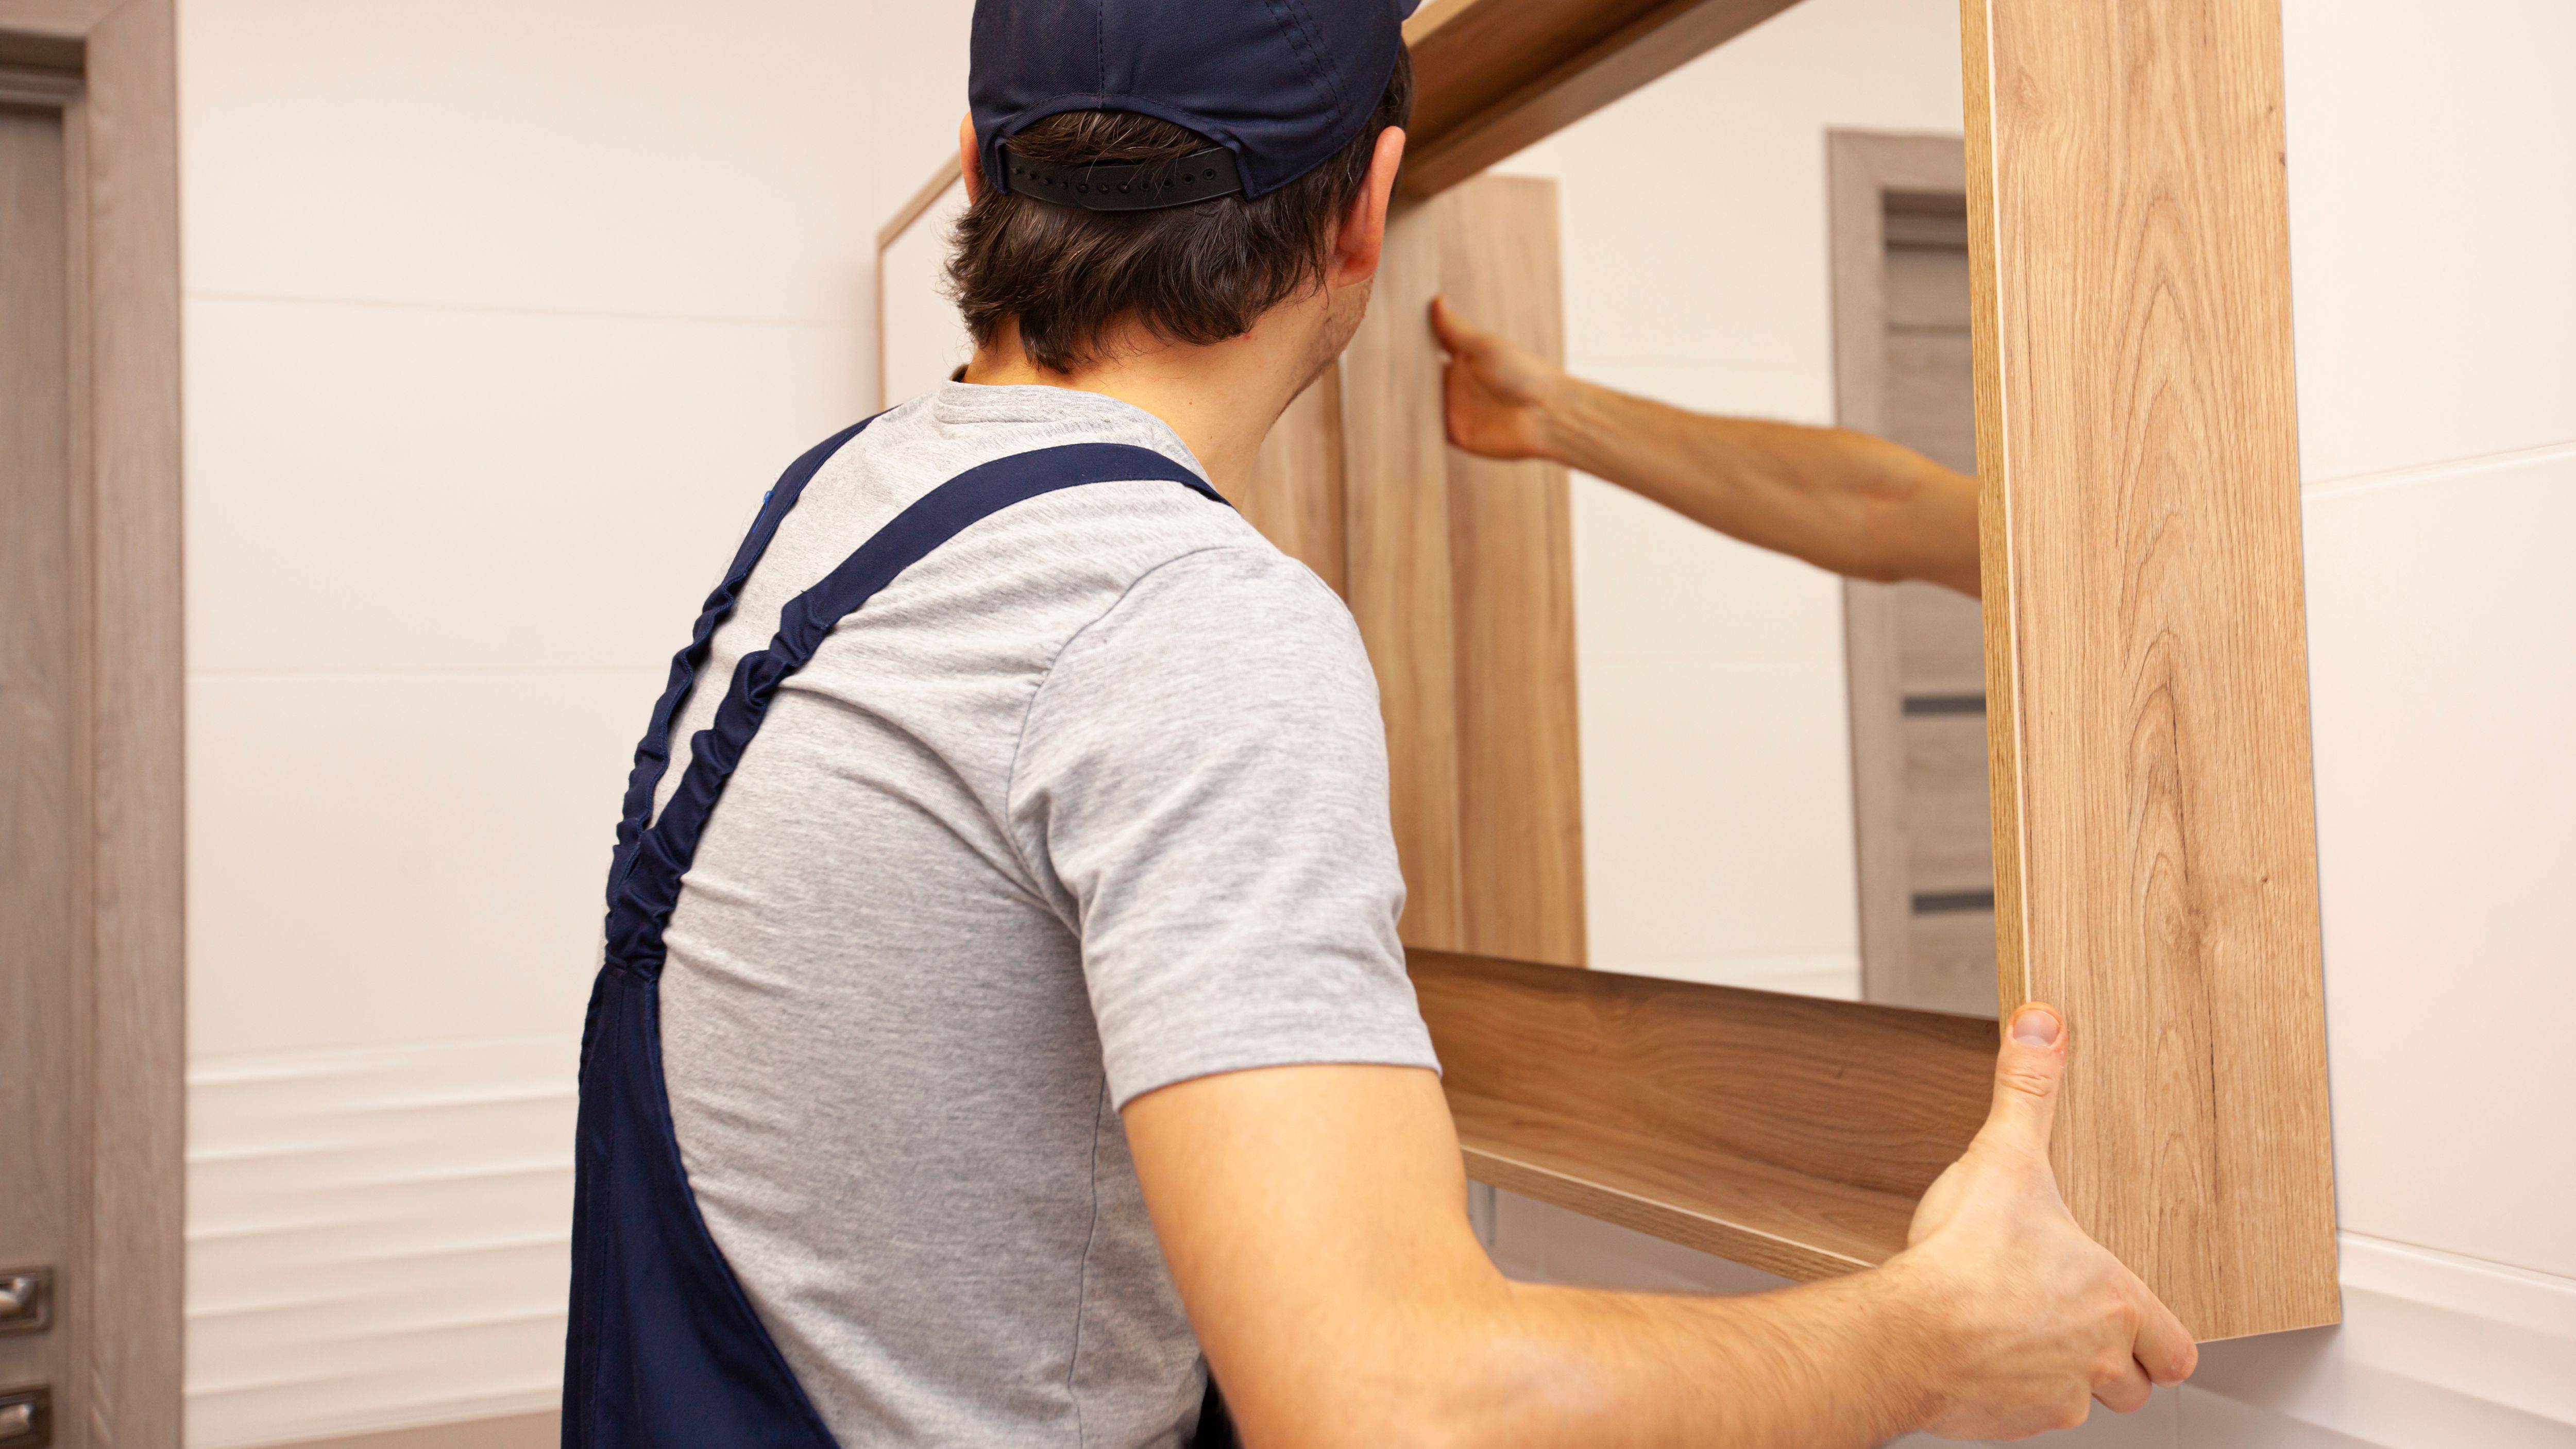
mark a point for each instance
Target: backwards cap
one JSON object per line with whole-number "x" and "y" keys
{"x": 1278, "y": 85}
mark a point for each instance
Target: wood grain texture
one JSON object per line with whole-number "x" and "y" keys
{"x": 1494, "y": 76}
{"x": 130, "y": 449}
{"x": 1511, "y": 565}
{"x": 2155, "y": 843}
{"x": 1396, "y": 482}
{"x": 1296, "y": 497}
{"x": 1785, "y": 1131}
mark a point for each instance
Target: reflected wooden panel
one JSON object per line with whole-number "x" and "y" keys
{"x": 1462, "y": 580}
{"x": 1788, "y": 1132}
{"x": 1296, "y": 494}
{"x": 1511, "y": 567}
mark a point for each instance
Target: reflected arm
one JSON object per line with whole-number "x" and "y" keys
{"x": 1845, "y": 501}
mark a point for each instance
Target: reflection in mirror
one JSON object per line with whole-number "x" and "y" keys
{"x": 1783, "y": 773}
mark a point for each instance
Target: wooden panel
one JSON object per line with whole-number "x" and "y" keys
{"x": 1396, "y": 484}
{"x": 1493, "y": 76}
{"x": 1296, "y": 495}
{"x": 1871, "y": 1096}
{"x": 1785, "y": 1131}
{"x": 131, "y": 357}
{"x": 2155, "y": 840}
{"x": 1520, "y": 794}
{"x": 44, "y": 880}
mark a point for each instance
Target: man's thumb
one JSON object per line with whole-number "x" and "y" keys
{"x": 2027, "y": 1074}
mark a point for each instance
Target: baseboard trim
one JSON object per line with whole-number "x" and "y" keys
{"x": 518, "y": 1431}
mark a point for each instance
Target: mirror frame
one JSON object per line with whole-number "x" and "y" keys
{"x": 2146, "y": 663}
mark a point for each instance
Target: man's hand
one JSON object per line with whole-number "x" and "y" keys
{"x": 1497, "y": 394}
{"x": 2040, "y": 1316}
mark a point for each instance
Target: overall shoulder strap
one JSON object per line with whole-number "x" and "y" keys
{"x": 653, "y": 753}
{"x": 643, "y": 891}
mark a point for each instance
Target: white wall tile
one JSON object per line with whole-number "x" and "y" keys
{"x": 2432, "y": 167}
{"x": 925, "y": 338}
{"x": 918, "y": 91}
{"x": 2435, "y": 1351}
{"x": 377, "y": 487}
{"x": 377, "y": 1236}
{"x": 658, "y": 157}
{"x": 399, "y": 857}
{"x": 2442, "y": 648}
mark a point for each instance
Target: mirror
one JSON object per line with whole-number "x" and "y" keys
{"x": 1784, "y": 779}
{"x": 1782, "y": 774}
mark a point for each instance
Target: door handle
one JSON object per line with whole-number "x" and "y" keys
{"x": 27, "y": 1418}
{"x": 26, "y": 1302}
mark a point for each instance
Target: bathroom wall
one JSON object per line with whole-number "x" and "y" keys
{"x": 499, "y": 318}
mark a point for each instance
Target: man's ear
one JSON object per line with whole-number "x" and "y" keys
{"x": 970, "y": 159}
{"x": 1363, "y": 231}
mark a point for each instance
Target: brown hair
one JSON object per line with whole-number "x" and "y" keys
{"x": 1197, "y": 274}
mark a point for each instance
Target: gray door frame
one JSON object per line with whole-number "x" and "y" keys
{"x": 1863, "y": 169}
{"x": 109, "y": 68}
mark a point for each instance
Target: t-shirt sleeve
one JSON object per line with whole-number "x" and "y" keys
{"x": 1203, "y": 775}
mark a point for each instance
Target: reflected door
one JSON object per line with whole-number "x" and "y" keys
{"x": 42, "y": 795}
{"x": 1916, "y": 653}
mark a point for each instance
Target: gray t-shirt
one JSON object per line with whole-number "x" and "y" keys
{"x": 1090, "y": 801}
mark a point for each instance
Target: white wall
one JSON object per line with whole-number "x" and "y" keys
{"x": 1717, "y": 809}
{"x": 499, "y": 317}
{"x": 2436, "y": 315}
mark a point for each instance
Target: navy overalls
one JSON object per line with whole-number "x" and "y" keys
{"x": 662, "y": 1349}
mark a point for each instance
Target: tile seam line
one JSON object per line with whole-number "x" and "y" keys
{"x": 2449, "y": 1258}
{"x": 505, "y": 309}
{"x": 2436, "y": 471}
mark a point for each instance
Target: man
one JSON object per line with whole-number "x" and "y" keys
{"x": 1845, "y": 501}
{"x": 1003, "y": 1001}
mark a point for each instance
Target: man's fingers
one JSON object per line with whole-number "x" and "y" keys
{"x": 2126, "y": 1390}
{"x": 2164, "y": 1349}
{"x": 1445, "y": 324}
{"x": 1458, "y": 336}
{"x": 2027, "y": 1073}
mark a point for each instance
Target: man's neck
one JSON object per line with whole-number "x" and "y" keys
{"x": 1220, "y": 398}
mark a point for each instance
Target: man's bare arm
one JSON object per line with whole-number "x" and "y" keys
{"x": 1846, "y": 501}
{"x": 1313, "y": 1218}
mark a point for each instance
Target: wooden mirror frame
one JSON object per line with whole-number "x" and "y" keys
{"x": 2145, "y": 656}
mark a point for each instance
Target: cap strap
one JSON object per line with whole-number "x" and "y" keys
{"x": 1124, "y": 185}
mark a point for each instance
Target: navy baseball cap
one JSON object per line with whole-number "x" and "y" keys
{"x": 1278, "y": 85}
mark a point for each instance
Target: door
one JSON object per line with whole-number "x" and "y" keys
{"x": 43, "y": 802}
{"x": 1916, "y": 651}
